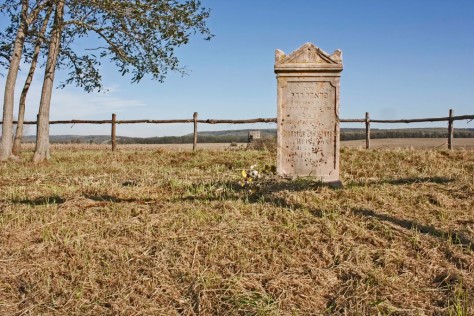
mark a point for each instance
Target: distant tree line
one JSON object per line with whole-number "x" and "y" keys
{"x": 405, "y": 133}
{"x": 187, "y": 139}
{"x": 345, "y": 135}
{"x": 227, "y": 137}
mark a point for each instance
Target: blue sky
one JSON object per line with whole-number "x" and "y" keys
{"x": 402, "y": 59}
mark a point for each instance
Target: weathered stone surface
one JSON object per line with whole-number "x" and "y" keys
{"x": 308, "y": 113}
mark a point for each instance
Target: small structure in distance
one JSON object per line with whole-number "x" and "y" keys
{"x": 253, "y": 135}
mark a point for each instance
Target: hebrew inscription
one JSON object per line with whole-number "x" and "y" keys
{"x": 307, "y": 127}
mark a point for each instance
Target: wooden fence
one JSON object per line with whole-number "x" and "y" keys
{"x": 450, "y": 119}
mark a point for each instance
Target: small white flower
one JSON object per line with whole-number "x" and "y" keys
{"x": 254, "y": 174}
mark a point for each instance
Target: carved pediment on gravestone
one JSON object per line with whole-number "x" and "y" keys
{"x": 308, "y": 56}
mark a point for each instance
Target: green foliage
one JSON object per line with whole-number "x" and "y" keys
{"x": 139, "y": 37}
{"x": 8, "y": 33}
{"x": 459, "y": 304}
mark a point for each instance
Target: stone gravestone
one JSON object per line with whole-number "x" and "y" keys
{"x": 308, "y": 113}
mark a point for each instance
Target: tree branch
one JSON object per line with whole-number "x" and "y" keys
{"x": 99, "y": 32}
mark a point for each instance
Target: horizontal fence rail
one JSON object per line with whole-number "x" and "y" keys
{"x": 208, "y": 121}
{"x": 420, "y": 120}
{"x": 450, "y": 119}
{"x": 249, "y": 121}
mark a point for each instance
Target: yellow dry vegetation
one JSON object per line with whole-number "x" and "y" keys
{"x": 161, "y": 232}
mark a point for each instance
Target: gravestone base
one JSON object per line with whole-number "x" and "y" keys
{"x": 332, "y": 184}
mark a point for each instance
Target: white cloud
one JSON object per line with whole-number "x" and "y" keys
{"x": 79, "y": 105}
{"x": 72, "y": 103}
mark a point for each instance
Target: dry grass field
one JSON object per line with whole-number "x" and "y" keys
{"x": 424, "y": 143}
{"x": 440, "y": 143}
{"x": 162, "y": 232}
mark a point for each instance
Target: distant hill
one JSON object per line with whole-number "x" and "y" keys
{"x": 61, "y": 139}
{"x": 240, "y": 136}
{"x": 270, "y": 132}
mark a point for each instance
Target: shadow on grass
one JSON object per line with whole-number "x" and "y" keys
{"x": 401, "y": 181}
{"x": 44, "y": 200}
{"x": 455, "y": 238}
{"x": 233, "y": 190}
{"x": 295, "y": 185}
{"x": 440, "y": 180}
{"x": 265, "y": 193}
{"x": 114, "y": 199}
{"x": 57, "y": 200}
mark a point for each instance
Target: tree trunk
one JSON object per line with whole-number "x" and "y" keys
{"x": 42, "y": 136}
{"x": 26, "y": 87}
{"x": 9, "y": 97}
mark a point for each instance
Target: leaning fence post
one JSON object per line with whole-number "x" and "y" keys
{"x": 367, "y": 130}
{"x": 450, "y": 130}
{"x": 195, "y": 140}
{"x": 114, "y": 125}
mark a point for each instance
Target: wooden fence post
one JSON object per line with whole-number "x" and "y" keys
{"x": 37, "y": 124}
{"x": 450, "y": 130}
{"x": 195, "y": 140}
{"x": 114, "y": 129}
{"x": 367, "y": 130}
